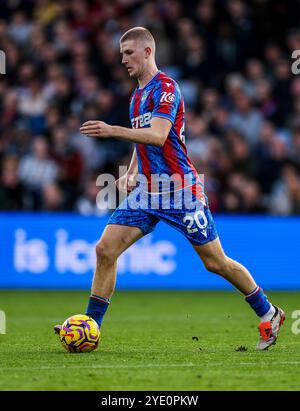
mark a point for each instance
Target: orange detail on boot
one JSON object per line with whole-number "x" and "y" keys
{"x": 265, "y": 330}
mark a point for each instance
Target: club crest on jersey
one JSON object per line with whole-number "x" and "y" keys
{"x": 167, "y": 97}
{"x": 144, "y": 96}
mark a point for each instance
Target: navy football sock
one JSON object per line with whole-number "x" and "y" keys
{"x": 97, "y": 307}
{"x": 258, "y": 301}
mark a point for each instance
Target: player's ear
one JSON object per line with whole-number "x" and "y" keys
{"x": 148, "y": 52}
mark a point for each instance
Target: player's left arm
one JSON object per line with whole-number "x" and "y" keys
{"x": 155, "y": 135}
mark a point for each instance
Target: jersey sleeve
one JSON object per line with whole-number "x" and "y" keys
{"x": 166, "y": 99}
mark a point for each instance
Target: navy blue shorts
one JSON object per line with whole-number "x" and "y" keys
{"x": 191, "y": 216}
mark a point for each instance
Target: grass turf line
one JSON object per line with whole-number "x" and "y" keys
{"x": 154, "y": 340}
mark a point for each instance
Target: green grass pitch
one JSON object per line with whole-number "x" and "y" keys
{"x": 154, "y": 340}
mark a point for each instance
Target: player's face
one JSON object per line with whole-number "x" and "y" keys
{"x": 133, "y": 57}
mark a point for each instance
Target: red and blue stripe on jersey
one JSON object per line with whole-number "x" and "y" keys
{"x": 161, "y": 97}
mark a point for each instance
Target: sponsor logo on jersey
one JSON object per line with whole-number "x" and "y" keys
{"x": 167, "y": 97}
{"x": 141, "y": 121}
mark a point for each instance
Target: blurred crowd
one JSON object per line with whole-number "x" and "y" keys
{"x": 231, "y": 58}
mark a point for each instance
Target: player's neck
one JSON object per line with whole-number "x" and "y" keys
{"x": 147, "y": 77}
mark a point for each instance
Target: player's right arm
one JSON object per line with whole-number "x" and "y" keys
{"x": 155, "y": 135}
{"x": 127, "y": 182}
{"x": 166, "y": 101}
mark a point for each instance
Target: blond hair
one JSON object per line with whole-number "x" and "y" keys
{"x": 141, "y": 34}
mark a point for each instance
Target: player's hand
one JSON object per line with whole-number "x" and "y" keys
{"x": 126, "y": 183}
{"x": 96, "y": 129}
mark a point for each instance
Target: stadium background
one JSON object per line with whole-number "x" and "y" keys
{"x": 232, "y": 60}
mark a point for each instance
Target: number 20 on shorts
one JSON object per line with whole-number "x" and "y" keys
{"x": 196, "y": 218}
